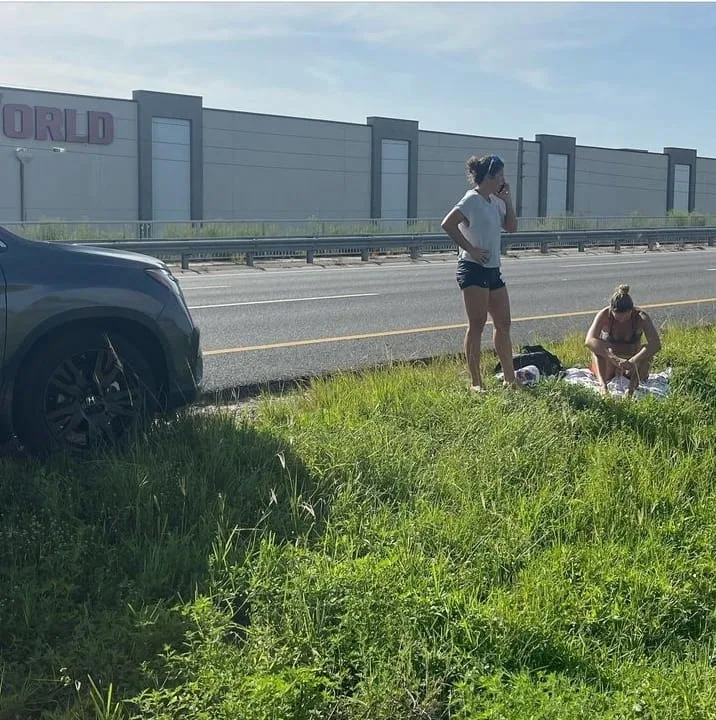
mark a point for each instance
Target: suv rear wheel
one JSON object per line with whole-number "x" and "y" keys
{"x": 83, "y": 390}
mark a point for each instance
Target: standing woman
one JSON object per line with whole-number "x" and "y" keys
{"x": 476, "y": 225}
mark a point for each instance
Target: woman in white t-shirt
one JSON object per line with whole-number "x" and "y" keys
{"x": 476, "y": 224}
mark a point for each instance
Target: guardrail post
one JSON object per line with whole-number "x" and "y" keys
{"x": 364, "y": 255}
{"x": 414, "y": 252}
{"x": 580, "y": 246}
{"x": 250, "y": 259}
{"x": 544, "y": 247}
{"x": 651, "y": 243}
{"x": 617, "y": 245}
{"x": 185, "y": 261}
{"x": 309, "y": 255}
{"x": 710, "y": 241}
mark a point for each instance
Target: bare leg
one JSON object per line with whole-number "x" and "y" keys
{"x": 604, "y": 371}
{"x": 642, "y": 373}
{"x": 499, "y": 309}
{"x": 643, "y": 368}
{"x": 476, "y": 300}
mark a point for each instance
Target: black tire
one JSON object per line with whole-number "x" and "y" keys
{"x": 82, "y": 390}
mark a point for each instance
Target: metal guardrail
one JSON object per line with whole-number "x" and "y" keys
{"x": 415, "y": 245}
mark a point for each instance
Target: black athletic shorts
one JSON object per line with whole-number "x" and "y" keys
{"x": 470, "y": 273}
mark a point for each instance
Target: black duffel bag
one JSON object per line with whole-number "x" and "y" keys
{"x": 546, "y": 362}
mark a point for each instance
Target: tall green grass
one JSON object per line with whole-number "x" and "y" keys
{"x": 385, "y": 545}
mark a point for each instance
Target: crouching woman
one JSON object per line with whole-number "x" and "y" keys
{"x": 615, "y": 339}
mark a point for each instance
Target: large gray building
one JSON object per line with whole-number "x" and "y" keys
{"x": 162, "y": 156}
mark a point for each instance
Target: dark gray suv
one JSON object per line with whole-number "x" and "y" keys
{"x": 91, "y": 342}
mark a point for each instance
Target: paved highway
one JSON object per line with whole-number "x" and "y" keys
{"x": 278, "y": 323}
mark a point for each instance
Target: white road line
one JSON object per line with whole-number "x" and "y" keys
{"x": 285, "y": 300}
{"x": 627, "y": 262}
{"x": 433, "y": 328}
{"x": 204, "y": 287}
{"x": 249, "y": 274}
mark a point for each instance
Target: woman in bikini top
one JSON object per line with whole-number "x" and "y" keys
{"x": 615, "y": 339}
{"x": 623, "y": 345}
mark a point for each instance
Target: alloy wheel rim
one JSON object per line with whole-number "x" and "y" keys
{"x": 91, "y": 399}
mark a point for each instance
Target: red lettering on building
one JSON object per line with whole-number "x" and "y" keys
{"x": 101, "y": 127}
{"x": 49, "y": 121}
{"x": 22, "y": 122}
{"x": 71, "y": 135}
{"x": 10, "y": 116}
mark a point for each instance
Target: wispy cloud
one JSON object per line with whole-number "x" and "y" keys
{"x": 437, "y": 62}
{"x": 505, "y": 40}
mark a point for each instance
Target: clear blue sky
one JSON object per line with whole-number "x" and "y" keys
{"x": 612, "y": 74}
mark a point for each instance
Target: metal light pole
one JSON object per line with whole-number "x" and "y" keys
{"x": 24, "y": 155}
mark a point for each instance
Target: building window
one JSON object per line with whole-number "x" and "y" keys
{"x": 394, "y": 179}
{"x": 682, "y": 182}
{"x": 557, "y": 184}
{"x": 171, "y": 169}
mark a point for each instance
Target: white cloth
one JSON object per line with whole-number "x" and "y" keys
{"x": 527, "y": 375}
{"x": 485, "y": 229}
{"x": 657, "y": 385}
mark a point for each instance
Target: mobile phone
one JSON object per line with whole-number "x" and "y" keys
{"x": 502, "y": 187}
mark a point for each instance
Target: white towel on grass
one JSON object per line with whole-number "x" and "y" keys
{"x": 657, "y": 385}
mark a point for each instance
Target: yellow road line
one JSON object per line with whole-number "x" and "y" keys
{"x": 433, "y": 328}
